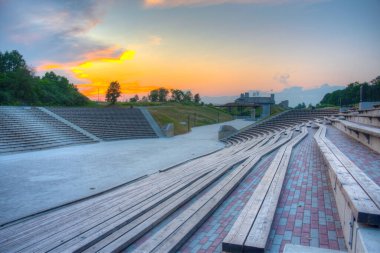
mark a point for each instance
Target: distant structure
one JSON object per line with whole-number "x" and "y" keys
{"x": 246, "y": 99}
{"x": 284, "y": 104}
{"x": 257, "y": 101}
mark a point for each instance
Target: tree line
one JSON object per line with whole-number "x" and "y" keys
{"x": 20, "y": 86}
{"x": 351, "y": 94}
{"x": 156, "y": 95}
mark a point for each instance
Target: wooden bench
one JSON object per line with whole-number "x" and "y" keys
{"x": 251, "y": 229}
{"x": 84, "y": 224}
{"x": 356, "y": 195}
{"x": 177, "y": 231}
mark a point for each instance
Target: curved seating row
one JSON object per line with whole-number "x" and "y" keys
{"x": 28, "y": 128}
{"x": 108, "y": 123}
{"x": 182, "y": 197}
{"x": 283, "y": 121}
{"x": 363, "y": 126}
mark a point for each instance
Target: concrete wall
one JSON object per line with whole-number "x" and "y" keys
{"x": 367, "y": 120}
{"x": 266, "y": 111}
{"x": 373, "y": 142}
{"x": 226, "y": 131}
{"x": 367, "y": 105}
{"x": 359, "y": 238}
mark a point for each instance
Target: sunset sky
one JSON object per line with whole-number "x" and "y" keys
{"x": 212, "y": 47}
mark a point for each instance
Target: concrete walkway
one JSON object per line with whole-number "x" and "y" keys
{"x": 35, "y": 181}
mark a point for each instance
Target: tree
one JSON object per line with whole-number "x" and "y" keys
{"x": 300, "y": 106}
{"x": 11, "y": 61}
{"x": 113, "y": 92}
{"x": 197, "y": 98}
{"x": 188, "y": 97}
{"x": 134, "y": 99}
{"x": 177, "y": 95}
{"x": 19, "y": 85}
{"x": 153, "y": 95}
{"x": 162, "y": 94}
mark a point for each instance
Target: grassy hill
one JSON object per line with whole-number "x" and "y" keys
{"x": 181, "y": 115}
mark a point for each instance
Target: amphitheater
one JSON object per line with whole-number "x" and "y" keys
{"x": 299, "y": 181}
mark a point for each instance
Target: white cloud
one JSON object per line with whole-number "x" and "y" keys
{"x": 155, "y": 40}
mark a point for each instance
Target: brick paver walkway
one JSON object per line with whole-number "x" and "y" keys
{"x": 364, "y": 157}
{"x": 306, "y": 213}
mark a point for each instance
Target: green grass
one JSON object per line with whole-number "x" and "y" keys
{"x": 275, "y": 109}
{"x": 180, "y": 115}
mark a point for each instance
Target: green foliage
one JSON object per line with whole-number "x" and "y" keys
{"x": 159, "y": 95}
{"x": 113, "y": 92}
{"x": 19, "y": 86}
{"x": 134, "y": 99}
{"x": 300, "y": 106}
{"x": 197, "y": 98}
{"x": 57, "y": 90}
{"x": 351, "y": 94}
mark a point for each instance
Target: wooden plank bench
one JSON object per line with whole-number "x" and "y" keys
{"x": 173, "y": 235}
{"x": 251, "y": 229}
{"x": 80, "y": 215}
{"x": 127, "y": 234}
{"x": 356, "y": 195}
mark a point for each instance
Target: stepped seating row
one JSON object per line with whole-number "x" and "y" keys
{"x": 28, "y": 128}
{"x": 363, "y": 126}
{"x": 108, "y": 123}
{"x": 250, "y": 231}
{"x": 114, "y": 220}
{"x": 357, "y": 197}
{"x": 283, "y": 121}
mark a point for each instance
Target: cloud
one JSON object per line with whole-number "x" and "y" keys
{"x": 282, "y": 78}
{"x": 112, "y": 54}
{"x": 56, "y": 30}
{"x": 155, "y": 40}
{"x": 176, "y": 3}
{"x": 294, "y": 94}
{"x": 93, "y": 73}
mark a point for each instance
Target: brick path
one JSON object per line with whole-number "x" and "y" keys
{"x": 306, "y": 213}
{"x": 364, "y": 157}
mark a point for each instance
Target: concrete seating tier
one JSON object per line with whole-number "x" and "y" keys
{"x": 28, "y": 128}
{"x": 175, "y": 202}
{"x": 280, "y": 122}
{"x": 108, "y": 123}
{"x": 369, "y": 135}
{"x": 357, "y": 197}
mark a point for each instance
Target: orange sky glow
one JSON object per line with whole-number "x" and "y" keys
{"x": 214, "y": 48}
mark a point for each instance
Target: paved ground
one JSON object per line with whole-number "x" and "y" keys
{"x": 38, "y": 180}
{"x": 307, "y": 213}
{"x": 364, "y": 157}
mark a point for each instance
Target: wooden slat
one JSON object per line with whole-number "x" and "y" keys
{"x": 250, "y": 231}
{"x": 170, "y": 237}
